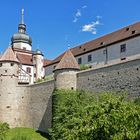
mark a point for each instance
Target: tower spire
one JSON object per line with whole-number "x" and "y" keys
{"x": 22, "y": 16}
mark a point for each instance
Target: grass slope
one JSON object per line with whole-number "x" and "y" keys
{"x": 23, "y": 134}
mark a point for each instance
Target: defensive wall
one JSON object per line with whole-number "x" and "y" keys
{"x": 119, "y": 77}
{"x": 28, "y": 106}
{"x": 31, "y": 105}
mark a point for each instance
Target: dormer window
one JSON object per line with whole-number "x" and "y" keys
{"x": 102, "y": 43}
{"x": 127, "y": 29}
{"x": 133, "y": 32}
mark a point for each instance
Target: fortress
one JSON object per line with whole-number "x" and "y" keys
{"x": 114, "y": 65}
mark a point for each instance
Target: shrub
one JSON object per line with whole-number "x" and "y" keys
{"x": 3, "y": 129}
{"x": 80, "y": 116}
{"x": 84, "y": 67}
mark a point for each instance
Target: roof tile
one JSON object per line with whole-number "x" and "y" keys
{"x": 9, "y": 55}
{"x": 68, "y": 61}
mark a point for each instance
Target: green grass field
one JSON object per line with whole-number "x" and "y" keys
{"x": 23, "y": 134}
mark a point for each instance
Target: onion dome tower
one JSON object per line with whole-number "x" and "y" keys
{"x": 21, "y": 40}
{"x": 65, "y": 72}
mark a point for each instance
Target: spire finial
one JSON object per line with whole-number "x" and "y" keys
{"x": 22, "y": 20}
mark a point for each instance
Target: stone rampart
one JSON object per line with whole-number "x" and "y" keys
{"x": 119, "y": 77}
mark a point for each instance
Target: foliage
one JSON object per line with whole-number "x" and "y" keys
{"x": 39, "y": 80}
{"x": 137, "y": 101}
{"x": 84, "y": 67}
{"x": 3, "y": 129}
{"x": 47, "y": 78}
{"x": 23, "y": 134}
{"x": 80, "y": 116}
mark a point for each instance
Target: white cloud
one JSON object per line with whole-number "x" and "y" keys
{"x": 91, "y": 27}
{"x": 75, "y": 20}
{"x": 78, "y": 13}
{"x": 85, "y": 6}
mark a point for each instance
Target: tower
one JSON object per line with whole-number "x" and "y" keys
{"x": 65, "y": 72}
{"x": 21, "y": 40}
{"x": 38, "y": 61}
{"x": 9, "y": 66}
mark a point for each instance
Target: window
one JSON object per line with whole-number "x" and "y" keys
{"x": 105, "y": 51}
{"x": 127, "y": 29}
{"x": 24, "y": 48}
{"x": 80, "y": 60}
{"x": 133, "y": 32}
{"x": 123, "y": 48}
{"x": 28, "y": 70}
{"x": 12, "y": 64}
{"x": 0, "y": 64}
{"x": 89, "y": 58}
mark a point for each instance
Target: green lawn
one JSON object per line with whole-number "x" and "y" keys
{"x": 23, "y": 134}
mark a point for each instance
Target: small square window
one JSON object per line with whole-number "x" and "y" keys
{"x": 12, "y": 64}
{"x": 28, "y": 70}
{"x": 123, "y": 48}
{"x": 80, "y": 60}
{"x": 89, "y": 58}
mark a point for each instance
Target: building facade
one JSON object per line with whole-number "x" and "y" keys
{"x": 119, "y": 46}
{"x": 30, "y": 62}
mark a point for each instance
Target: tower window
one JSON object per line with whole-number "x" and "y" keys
{"x": 0, "y": 64}
{"x": 28, "y": 70}
{"x": 123, "y": 48}
{"x": 80, "y": 60}
{"x": 12, "y": 64}
{"x": 89, "y": 58}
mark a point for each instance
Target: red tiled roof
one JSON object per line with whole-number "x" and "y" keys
{"x": 68, "y": 61}
{"x": 25, "y": 59}
{"x": 46, "y": 62}
{"x": 117, "y": 36}
{"x": 9, "y": 55}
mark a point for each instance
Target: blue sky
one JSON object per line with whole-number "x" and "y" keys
{"x": 56, "y": 25}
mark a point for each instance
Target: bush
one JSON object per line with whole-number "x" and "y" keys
{"x": 3, "y": 130}
{"x": 84, "y": 67}
{"x": 80, "y": 116}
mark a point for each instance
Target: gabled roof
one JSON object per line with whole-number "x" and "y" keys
{"x": 25, "y": 59}
{"x": 68, "y": 61}
{"x": 104, "y": 41}
{"x": 9, "y": 55}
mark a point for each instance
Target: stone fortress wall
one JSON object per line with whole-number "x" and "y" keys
{"x": 28, "y": 106}
{"x": 119, "y": 77}
{"x": 31, "y": 105}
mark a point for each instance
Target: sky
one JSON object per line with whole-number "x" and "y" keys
{"x": 57, "y": 25}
